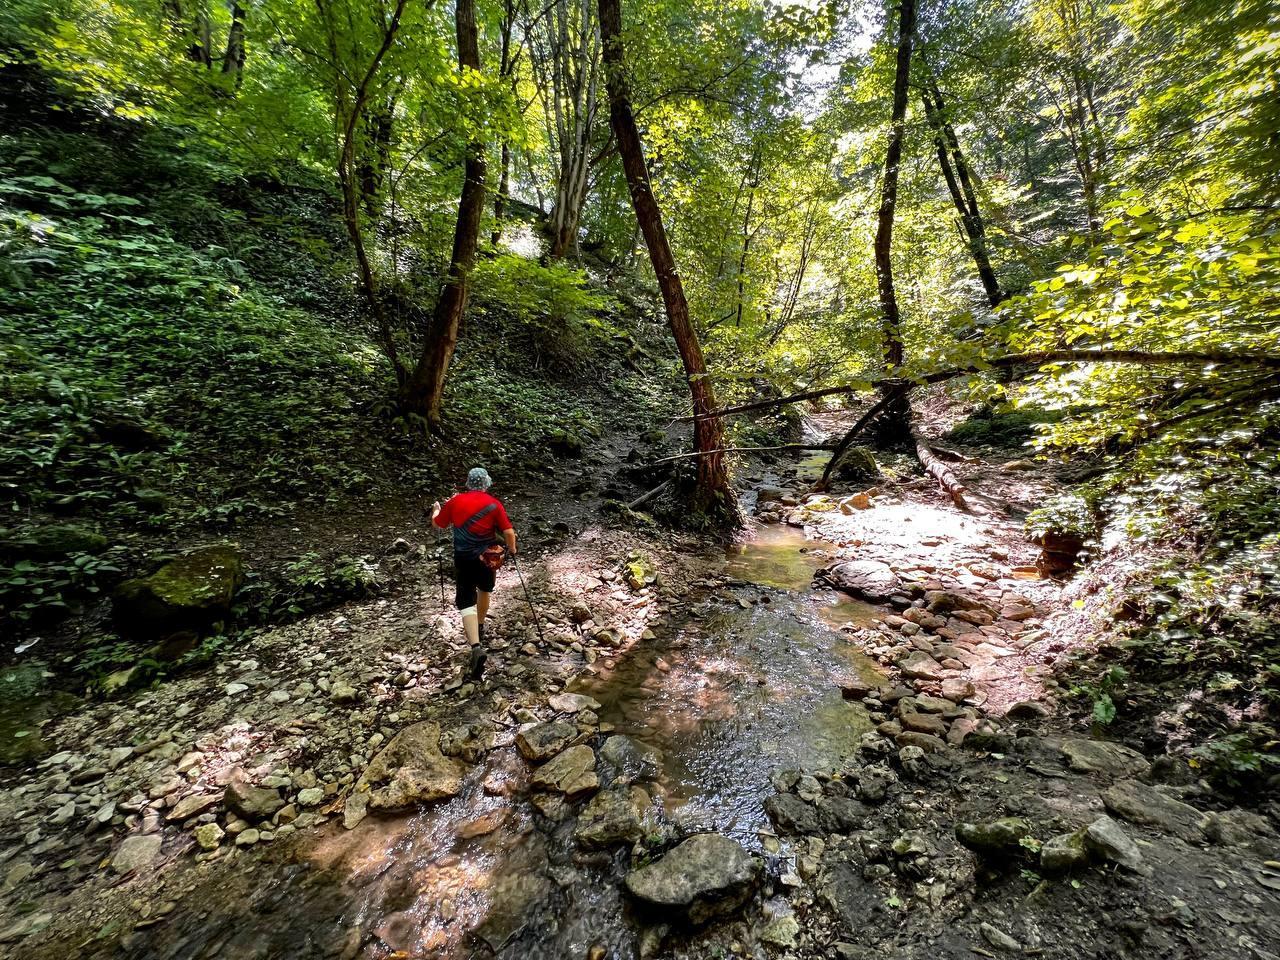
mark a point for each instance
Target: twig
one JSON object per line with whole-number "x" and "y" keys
{"x": 646, "y": 497}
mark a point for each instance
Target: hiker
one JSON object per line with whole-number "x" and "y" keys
{"x": 477, "y": 519}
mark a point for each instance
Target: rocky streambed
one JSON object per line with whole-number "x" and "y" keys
{"x": 838, "y": 740}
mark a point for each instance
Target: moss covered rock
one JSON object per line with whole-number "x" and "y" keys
{"x": 857, "y": 465}
{"x": 52, "y": 542}
{"x": 190, "y": 594}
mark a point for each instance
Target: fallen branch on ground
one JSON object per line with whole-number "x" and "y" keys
{"x": 847, "y": 440}
{"x": 646, "y": 497}
{"x": 941, "y": 472}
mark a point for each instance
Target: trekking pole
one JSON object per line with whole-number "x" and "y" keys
{"x": 529, "y": 600}
{"x": 440, "y": 570}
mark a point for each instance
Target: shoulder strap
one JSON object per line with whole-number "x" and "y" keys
{"x": 480, "y": 514}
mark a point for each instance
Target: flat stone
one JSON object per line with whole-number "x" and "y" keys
{"x": 572, "y": 703}
{"x": 572, "y": 772}
{"x": 869, "y": 579}
{"x": 1140, "y": 803}
{"x": 411, "y": 770}
{"x": 918, "y": 665}
{"x": 545, "y": 740}
{"x": 1102, "y": 756}
{"x": 1105, "y": 839}
{"x": 790, "y": 814}
{"x": 706, "y": 876}
{"x": 192, "y": 806}
{"x": 929, "y": 723}
{"x": 135, "y": 852}
{"x": 925, "y": 741}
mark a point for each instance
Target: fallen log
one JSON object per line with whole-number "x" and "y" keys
{"x": 703, "y": 453}
{"x": 646, "y": 497}
{"x": 940, "y": 472}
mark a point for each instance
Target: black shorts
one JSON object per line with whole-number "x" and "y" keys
{"x": 471, "y": 575}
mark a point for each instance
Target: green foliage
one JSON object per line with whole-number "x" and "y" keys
{"x": 308, "y": 583}
{"x": 1099, "y": 693}
{"x": 1011, "y": 428}
{"x": 34, "y": 592}
{"x": 1066, "y": 514}
{"x": 547, "y": 310}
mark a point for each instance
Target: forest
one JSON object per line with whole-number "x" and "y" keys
{"x": 884, "y": 394}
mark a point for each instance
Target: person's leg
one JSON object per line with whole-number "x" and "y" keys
{"x": 482, "y": 604}
{"x": 466, "y": 598}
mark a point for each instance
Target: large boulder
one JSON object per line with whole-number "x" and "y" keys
{"x": 190, "y": 594}
{"x": 706, "y": 876}
{"x": 410, "y": 770}
{"x": 869, "y": 579}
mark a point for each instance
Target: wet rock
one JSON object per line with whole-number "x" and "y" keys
{"x": 706, "y": 876}
{"x": 782, "y": 932}
{"x": 858, "y": 688}
{"x": 189, "y": 594}
{"x": 411, "y": 770}
{"x": 870, "y": 579}
{"x": 252, "y": 803}
{"x": 545, "y": 740}
{"x": 572, "y": 703}
{"x": 469, "y": 742}
{"x": 997, "y": 840}
{"x": 513, "y": 901}
{"x": 1101, "y": 756}
{"x": 1064, "y": 853}
{"x": 631, "y": 758}
{"x": 612, "y": 816}
{"x": 135, "y": 852}
{"x": 1105, "y": 839}
{"x": 1139, "y": 803}
{"x": 571, "y": 772}
{"x": 841, "y": 814}
{"x": 790, "y": 814}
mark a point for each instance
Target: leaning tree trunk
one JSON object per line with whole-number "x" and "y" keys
{"x": 233, "y": 57}
{"x": 423, "y": 391}
{"x": 894, "y": 426}
{"x": 713, "y": 489}
{"x": 960, "y": 185}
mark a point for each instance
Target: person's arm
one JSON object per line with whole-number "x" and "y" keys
{"x": 436, "y": 513}
{"x": 509, "y": 535}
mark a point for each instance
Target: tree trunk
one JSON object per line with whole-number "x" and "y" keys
{"x": 960, "y": 186}
{"x": 499, "y": 199}
{"x": 233, "y": 58}
{"x": 423, "y": 391}
{"x": 897, "y": 423}
{"x": 713, "y": 490}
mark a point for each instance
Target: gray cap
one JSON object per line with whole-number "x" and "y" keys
{"x": 478, "y": 479}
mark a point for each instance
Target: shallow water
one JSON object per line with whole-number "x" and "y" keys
{"x": 745, "y": 684}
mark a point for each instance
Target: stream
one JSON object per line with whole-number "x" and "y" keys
{"x": 743, "y": 685}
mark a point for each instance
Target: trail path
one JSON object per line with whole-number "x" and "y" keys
{"x": 838, "y": 740}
